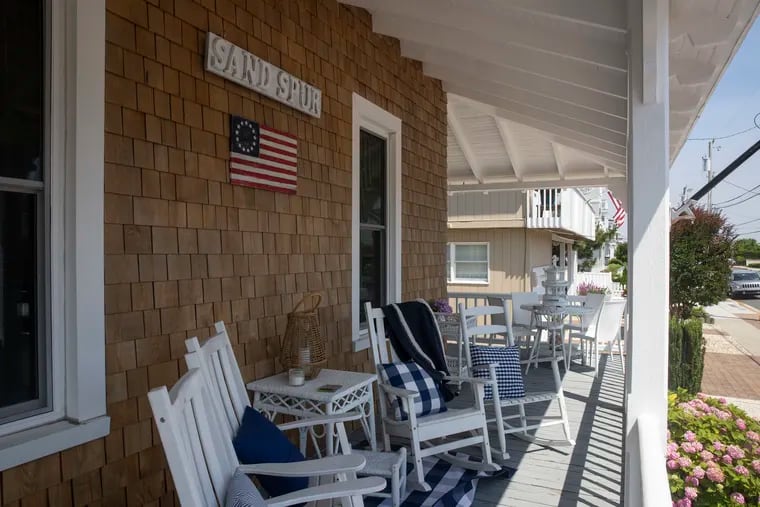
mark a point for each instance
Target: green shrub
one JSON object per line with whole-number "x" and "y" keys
{"x": 686, "y": 355}
{"x": 713, "y": 452}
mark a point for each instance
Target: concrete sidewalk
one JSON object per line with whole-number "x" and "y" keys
{"x": 732, "y": 357}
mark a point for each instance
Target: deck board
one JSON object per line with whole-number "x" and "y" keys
{"x": 589, "y": 473}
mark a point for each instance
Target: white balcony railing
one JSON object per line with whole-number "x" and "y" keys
{"x": 555, "y": 208}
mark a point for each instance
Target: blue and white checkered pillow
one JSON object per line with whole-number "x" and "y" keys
{"x": 508, "y": 375}
{"x": 410, "y": 376}
{"x": 241, "y": 492}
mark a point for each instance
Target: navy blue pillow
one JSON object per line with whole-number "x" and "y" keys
{"x": 259, "y": 441}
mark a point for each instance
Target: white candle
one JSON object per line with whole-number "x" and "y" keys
{"x": 295, "y": 376}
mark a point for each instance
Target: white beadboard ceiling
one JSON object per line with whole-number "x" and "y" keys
{"x": 537, "y": 89}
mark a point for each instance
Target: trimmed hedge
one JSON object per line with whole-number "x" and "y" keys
{"x": 687, "y": 355}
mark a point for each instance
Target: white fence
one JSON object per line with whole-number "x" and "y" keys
{"x": 600, "y": 279}
{"x": 555, "y": 208}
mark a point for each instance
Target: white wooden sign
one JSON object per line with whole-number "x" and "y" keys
{"x": 244, "y": 68}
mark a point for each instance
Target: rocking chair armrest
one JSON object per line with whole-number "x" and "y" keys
{"x": 319, "y": 421}
{"x": 342, "y": 489}
{"x": 310, "y": 468}
{"x": 397, "y": 391}
{"x": 470, "y": 380}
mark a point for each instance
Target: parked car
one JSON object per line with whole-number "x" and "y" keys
{"x": 744, "y": 282}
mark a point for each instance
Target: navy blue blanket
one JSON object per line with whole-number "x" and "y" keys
{"x": 415, "y": 336}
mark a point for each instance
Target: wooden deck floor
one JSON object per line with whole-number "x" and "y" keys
{"x": 589, "y": 473}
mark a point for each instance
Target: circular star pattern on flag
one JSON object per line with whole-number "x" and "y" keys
{"x": 245, "y": 136}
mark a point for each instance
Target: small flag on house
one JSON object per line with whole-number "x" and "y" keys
{"x": 262, "y": 157}
{"x": 619, "y": 216}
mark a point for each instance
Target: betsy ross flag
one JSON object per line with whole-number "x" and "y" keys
{"x": 619, "y": 216}
{"x": 262, "y": 157}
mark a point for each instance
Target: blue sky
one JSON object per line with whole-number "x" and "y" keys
{"x": 731, "y": 108}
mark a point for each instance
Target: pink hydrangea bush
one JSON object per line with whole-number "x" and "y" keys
{"x": 713, "y": 453}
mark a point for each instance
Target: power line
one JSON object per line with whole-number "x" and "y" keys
{"x": 735, "y": 185}
{"x": 739, "y": 202}
{"x": 748, "y": 191}
{"x": 718, "y": 138}
{"x": 747, "y": 222}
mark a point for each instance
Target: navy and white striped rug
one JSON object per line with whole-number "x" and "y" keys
{"x": 453, "y": 486}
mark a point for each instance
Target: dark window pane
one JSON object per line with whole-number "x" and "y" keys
{"x": 21, "y": 89}
{"x": 20, "y": 352}
{"x": 372, "y": 165}
{"x": 371, "y": 269}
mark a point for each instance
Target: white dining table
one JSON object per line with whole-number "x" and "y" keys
{"x": 559, "y": 314}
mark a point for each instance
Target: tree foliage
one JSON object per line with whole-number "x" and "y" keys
{"x": 700, "y": 256}
{"x": 621, "y": 252}
{"x": 618, "y": 265}
{"x": 587, "y": 247}
{"x": 746, "y": 248}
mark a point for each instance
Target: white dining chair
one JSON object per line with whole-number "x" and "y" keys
{"x": 606, "y": 331}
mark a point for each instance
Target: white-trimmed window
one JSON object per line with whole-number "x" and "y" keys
{"x": 376, "y": 212}
{"x": 467, "y": 263}
{"x": 52, "y": 332}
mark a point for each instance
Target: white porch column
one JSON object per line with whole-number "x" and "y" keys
{"x": 648, "y": 249}
{"x": 572, "y": 256}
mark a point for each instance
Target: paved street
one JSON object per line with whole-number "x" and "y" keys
{"x": 732, "y": 359}
{"x": 752, "y": 302}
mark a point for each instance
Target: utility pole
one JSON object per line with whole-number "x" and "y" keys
{"x": 707, "y": 166}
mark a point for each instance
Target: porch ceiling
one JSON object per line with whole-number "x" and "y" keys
{"x": 538, "y": 92}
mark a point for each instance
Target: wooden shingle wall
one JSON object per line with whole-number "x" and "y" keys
{"x": 184, "y": 248}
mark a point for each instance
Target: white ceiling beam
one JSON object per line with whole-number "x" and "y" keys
{"x": 609, "y": 137}
{"x": 600, "y": 14}
{"x": 580, "y": 73}
{"x": 558, "y": 160}
{"x": 703, "y": 27}
{"x": 504, "y": 27}
{"x": 549, "y": 128}
{"x": 601, "y": 181}
{"x": 509, "y": 146}
{"x": 440, "y": 61}
{"x": 463, "y": 85}
{"x": 612, "y": 155}
{"x": 605, "y": 14}
{"x": 464, "y": 144}
{"x": 690, "y": 71}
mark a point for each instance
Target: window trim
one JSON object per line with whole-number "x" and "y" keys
{"x": 76, "y": 322}
{"x": 451, "y": 279}
{"x": 372, "y": 118}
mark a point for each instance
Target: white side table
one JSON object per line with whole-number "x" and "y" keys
{"x": 273, "y": 395}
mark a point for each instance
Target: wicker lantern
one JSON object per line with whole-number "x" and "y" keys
{"x": 303, "y": 344}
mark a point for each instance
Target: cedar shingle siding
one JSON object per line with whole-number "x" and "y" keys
{"x": 184, "y": 248}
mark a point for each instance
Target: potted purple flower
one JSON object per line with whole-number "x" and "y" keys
{"x": 440, "y": 306}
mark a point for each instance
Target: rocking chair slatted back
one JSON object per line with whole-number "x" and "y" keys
{"x": 499, "y": 317}
{"x": 217, "y": 360}
{"x": 381, "y": 352}
{"x": 202, "y": 459}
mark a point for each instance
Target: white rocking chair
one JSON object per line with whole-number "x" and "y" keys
{"x": 216, "y": 359}
{"x": 429, "y": 434}
{"x": 501, "y": 422}
{"x": 202, "y": 460}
